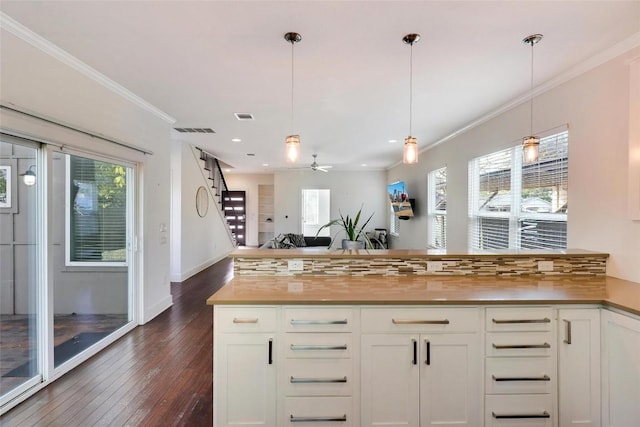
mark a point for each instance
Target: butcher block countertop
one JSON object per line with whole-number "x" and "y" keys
{"x": 429, "y": 290}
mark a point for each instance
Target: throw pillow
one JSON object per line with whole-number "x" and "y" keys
{"x": 297, "y": 240}
{"x": 286, "y": 243}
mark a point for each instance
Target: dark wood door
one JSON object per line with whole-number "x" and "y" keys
{"x": 234, "y": 205}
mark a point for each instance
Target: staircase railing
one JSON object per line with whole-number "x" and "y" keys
{"x": 212, "y": 171}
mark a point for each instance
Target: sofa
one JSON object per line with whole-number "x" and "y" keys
{"x": 292, "y": 240}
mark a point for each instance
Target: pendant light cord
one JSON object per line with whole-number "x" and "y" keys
{"x": 410, "y": 88}
{"x": 531, "y": 94}
{"x": 292, "y": 79}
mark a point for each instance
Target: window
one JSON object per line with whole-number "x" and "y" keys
{"x": 520, "y": 206}
{"x": 315, "y": 211}
{"x": 437, "y": 194}
{"x": 96, "y": 212}
{"x": 394, "y": 222}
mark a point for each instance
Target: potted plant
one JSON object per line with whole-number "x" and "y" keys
{"x": 356, "y": 236}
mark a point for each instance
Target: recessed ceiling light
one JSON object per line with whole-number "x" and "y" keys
{"x": 265, "y": 164}
{"x": 364, "y": 165}
{"x": 236, "y": 140}
{"x": 227, "y": 170}
{"x": 391, "y": 141}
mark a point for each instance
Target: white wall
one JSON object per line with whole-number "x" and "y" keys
{"x": 349, "y": 192}
{"x": 32, "y": 79}
{"x": 249, "y": 184}
{"x": 202, "y": 240}
{"x": 595, "y": 105}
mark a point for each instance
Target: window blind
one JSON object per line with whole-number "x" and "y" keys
{"x": 97, "y": 211}
{"x": 437, "y": 208}
{"x": 517, "y": 205}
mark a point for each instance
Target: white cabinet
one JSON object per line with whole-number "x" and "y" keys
{"x": 620, "y": 370}
{"x": 520, "y": 368}
{"x": 319, "y": 370}
{"x": 421, "y": 367}
{"x": 244, "y": 366}
{"x": 579, "y": 367}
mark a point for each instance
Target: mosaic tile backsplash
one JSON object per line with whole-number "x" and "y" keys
{"x": 588, "y": 265}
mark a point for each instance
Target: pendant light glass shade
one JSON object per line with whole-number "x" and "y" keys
{"x": 292, "y": 141}
{"x": 293, "y": 147}
{"x": 410, "y": 153}
{"x": 531, "y": 144}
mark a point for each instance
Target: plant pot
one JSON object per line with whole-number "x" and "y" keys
{"x": 352, "y": 244}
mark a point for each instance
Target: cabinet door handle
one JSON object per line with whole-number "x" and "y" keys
{"x": 270, "y": 351}
{"x": 544, "y": 414}
{"x": 295, "y": 419}
{"x": 511, "y": 321}
{"x": 419, "y": 322}
{"x": 542, "y": 378}
{"x": 502, "y": 347}
{"x": 415, "y": 352}
{"x": 318, "y": 347}
{"x": 318, "y": 322}
{"x": 245, "y": 320}
{"x": 428, "y": 359}
{"x": 567, "y": 340}
{"x": 294, "y": 380}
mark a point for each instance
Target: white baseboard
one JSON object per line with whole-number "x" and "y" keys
{"x": 157, "y": 308}
{"x": 197, "y": 269}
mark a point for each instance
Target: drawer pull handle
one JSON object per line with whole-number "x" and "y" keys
{"x": 241, "y": 320}
{"x": 544, "y": 414}
{"x": 506, "y": 346}
{"x": 512, "y": 321}
{"x": 542, "y": 378}
{"x": 567, "y": 340}
{"x": 420, "y": 322}
{"x": 317, "y": 380}
{"x": 294, "y": 419}
{"x": 318, "y": 347}
{"x": 318, "y": 322}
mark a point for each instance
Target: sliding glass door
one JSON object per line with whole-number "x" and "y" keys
{"x": 19, "y": 268}
{"x": 91, "y": 292}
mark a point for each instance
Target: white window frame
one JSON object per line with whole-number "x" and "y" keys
{"x": 67, "y": 212}
{"x": 515, "y": 215}
{"x": 432, "y": 211}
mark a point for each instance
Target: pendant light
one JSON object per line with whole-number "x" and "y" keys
{"x": 410, "y": 152}
{"x": 531, "y": 143}
{"x": 292, "y": 141}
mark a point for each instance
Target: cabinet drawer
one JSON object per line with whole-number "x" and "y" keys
{"x": 381, "y": 320}
{"x": 518, "y": 344}
{"x": 311, "y": 319}
{"x": 318, "y": 411}
{"x": 525, "y": 410}
{"x": 311, "y": 345}
{"x": 519, "y": 375}
{"x": 519, "y": 319}
{"x": 317, "y": 377}
{"x": 245, "y": 319}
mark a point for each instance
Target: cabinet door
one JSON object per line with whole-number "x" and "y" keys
{"x": 450, "y": 380}
{"x": 579, "y": 367}
{"x": 244, "y": 380}
{"x": 390, "y": 380}
{"x": 620, "y": 370}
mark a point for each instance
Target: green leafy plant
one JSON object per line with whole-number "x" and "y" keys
{"x": 351, "y": 228}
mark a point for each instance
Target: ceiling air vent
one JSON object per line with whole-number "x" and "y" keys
{"x": 243, "y": 116}
{"x": 195, "y": 130}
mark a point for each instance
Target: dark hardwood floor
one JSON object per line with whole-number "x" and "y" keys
{"x": 159, "y": 374}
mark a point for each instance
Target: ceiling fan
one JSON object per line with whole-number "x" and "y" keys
{"x": 316, "y": 167}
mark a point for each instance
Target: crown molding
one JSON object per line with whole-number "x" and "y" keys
{"x": 9, "y": 24}
{"x": 596, "y": 60}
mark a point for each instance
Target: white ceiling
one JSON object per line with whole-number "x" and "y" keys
{"x": 202, "y": 61}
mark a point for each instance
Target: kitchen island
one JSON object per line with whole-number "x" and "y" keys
{"x": 480, "y": 341}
